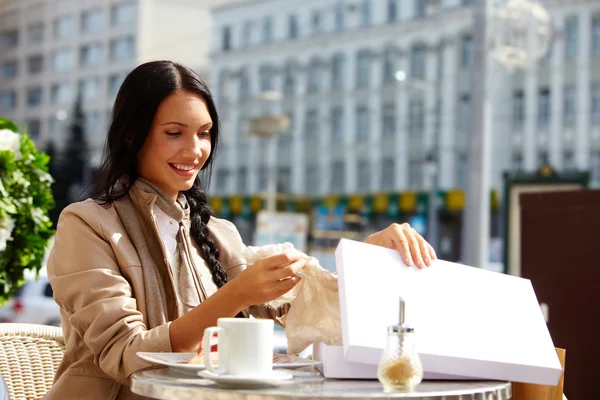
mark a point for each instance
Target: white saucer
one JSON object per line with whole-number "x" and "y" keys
{"x": 177, "y": 362}
{"x": 274, "y": 378}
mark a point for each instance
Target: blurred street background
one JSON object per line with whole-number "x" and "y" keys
{"x": 339, "y": 117}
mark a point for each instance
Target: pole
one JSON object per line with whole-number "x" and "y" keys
{"x": 434, "y": 181}
{"x": 476, "y": 219}
{"x": 272, "y": 174}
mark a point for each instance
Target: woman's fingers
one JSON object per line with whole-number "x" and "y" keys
{"x": 402, "y": 244}
{"x": 276, "y": 261}
{"x": 286, "y": 285}
{"x": 415, "y": 247}
{"x": 424, "y": 247}
{"x": 287, "y": 271}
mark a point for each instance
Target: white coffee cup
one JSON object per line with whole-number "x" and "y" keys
{"x": 245, "y": 346}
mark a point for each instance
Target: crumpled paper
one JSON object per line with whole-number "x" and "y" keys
{"x": 315, "y": 304}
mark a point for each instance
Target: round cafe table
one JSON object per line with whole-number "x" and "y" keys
{"x": 166, "y": 385}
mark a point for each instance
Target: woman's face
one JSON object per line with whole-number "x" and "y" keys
{"x": 178, "y": 143}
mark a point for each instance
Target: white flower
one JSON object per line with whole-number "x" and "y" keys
{"x": 5, "y": 231}
{"x": 10, "y": 140}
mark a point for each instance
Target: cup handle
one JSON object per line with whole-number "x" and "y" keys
{"x": 208, "y": 334}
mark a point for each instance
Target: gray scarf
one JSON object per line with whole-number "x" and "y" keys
{"x": 161, "y": 299}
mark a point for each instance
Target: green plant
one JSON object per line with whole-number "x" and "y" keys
{"x": 25, "y": 198}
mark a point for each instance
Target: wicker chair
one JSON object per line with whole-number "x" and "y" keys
{"x": 29, "y": 356}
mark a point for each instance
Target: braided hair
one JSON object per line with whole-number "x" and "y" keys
{"x": 200, "y": 213}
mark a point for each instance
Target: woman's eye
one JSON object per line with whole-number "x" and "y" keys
{"x": 205, "y": 133}
{"x": 175, "y": 133}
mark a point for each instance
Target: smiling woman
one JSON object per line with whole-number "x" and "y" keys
{"x": 144, "y": 266}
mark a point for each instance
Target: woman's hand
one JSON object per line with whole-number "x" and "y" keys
{"x": 269, "y": 278}
{"x": 402, "y": 237}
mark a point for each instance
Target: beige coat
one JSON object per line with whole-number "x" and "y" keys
{"x": 98, "y": 282}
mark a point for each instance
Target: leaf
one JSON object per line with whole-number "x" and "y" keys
{"x": 8, "y": 124}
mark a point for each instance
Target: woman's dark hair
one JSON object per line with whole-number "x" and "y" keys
{"x": 138, "y": 99}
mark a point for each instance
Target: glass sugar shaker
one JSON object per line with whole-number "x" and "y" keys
{"x": 400, "y": 367}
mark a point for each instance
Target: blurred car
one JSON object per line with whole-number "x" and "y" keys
{"x": 33, "y": 304}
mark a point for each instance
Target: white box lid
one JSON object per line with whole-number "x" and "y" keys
{"x": 468, "y": 321}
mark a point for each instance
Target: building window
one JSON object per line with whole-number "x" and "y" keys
{"x": 114, "y": 83}
{"x": 91, "y": 54}
{"x": 462, "y": 178}
{"x": 596, "y": 35}
{"x": 337, "y": 71}
{"x": 518, "y": 108}
{"x": 542, "y": 157}
{"x": 266, "y": 79}
{"x": 418, "y": 61}
{"x": 289, "y": 83}
{"x": 8, "y": 100}
{"x": 244, "y": 87}
{"x": 420, "y": 8}
{"x": 548, "y": 56}
{"x": 544, "y": 106}
{"x": 314, "y": 77}
{"x": 362, "y": 123}
{"x": 311, "y": 128}
{"x": 392, "y": 11}
{"x": 284, "y": 177}
{"x": 268, "y": 30}
{"x": 389, "y": 66}
{"x": 247, "y": 31}
{"x": 64, "y": 27}
{"x": 388, "y": 174}
{"x": 337, "y": 124}
{"x": 223, "y": 180}
{"x": 316, "y": 22}
{"x": 284, "y": 142}
{"x": 9, "y": 40}
{"x": 34, "y": 96}
{"x": 226, "y": 38}
{"x": 263, "y": 178}
{"x": 517, "y": 161}
{"x": 124, "y": 14}
{"x": 35, "y": 33}
{"x": 363, "y": 68}
{"x": 293, "y": 27}
{"x": 416, "y": 118}
{"x": 90, "y": 88}
{"x": 415, "y": 174}
{"x": 9, "y": 69}
{"x": 570, "y": 105}
{"x": 242, "y": 180}
{"x": 466, "y": 53}
{"x": 34, "y": 126}
{"x": 92, "y": 20}
{"x": 340, "y": 17}
{"x": 596, "y": 102}
{"x": 61, "y": 93}
{"x": 464, "y": 113}
{"x": 122, "y": 49}
{"x": 388, "y": 120}
{"x": 364, "y": 175}
{"x": 569, "y": 160}
{"x": 311, "y": 180}
{"x": 338, "y": 177}
{"x": 365, "y": 14}
{"x": 35, "y": 64}
{"x": 571, "y": 37}
{"x": 63, "y": 60}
